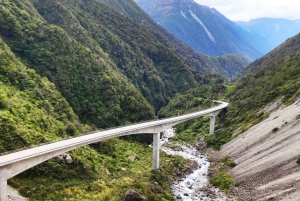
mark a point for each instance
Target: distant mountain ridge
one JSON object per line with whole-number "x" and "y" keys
{"x": 274, "y": 30}
{"x": 203, "y": 28}
{"x": 226, "y": 65}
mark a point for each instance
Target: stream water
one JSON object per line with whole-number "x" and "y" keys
{"x": 193, "y": 186}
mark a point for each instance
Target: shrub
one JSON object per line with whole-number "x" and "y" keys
{"x": 222, "y": 181}
{"x": 298, "y": 161}
{"x": 274, "y": 130}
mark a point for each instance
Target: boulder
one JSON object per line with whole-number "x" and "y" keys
{"x": 123, "y": 169}
{"x": 132, "y": 195}
{"x": 69, "y": 160}
{"x": 132, "y": 158}
{"x": 107, "y": 171}
{"x": 59, "y": 158}
{"x": 200, "y": 145}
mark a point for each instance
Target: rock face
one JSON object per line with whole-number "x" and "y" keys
{"x": 132, "y": 195}
{"x": 267, "y": 160}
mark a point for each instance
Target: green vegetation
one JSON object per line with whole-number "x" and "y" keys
{"x": 32, "y": 110}
{"x": 274, "y": 130}
{"x": 99, "y": 94}
{"x": 298, "y": 161}
{"x": 145, "y": 61}
{"x": 219, "y": 176}
{"x": 225, "y": 65}
{"x": 253, "y": 92}
{"x": 80, "y": 72}
{"x": 96, "y": 174}
{"x": 194, "y": 100}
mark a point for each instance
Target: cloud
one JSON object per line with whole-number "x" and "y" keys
{"x": 245, "y": 10}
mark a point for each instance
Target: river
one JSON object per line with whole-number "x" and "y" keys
{"x": 193, "y": 186}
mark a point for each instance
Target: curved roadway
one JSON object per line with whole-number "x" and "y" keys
{"x": 148, "y": 127}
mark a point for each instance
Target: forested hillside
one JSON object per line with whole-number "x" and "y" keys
{"x": 259, "y": 129}
{"x": 33, "y": 111}
{"x": 91, "y": 83}
{"x": 198, "y": 61}
{"x": 267, "y": 79}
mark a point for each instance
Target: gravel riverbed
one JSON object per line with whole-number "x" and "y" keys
{"x": 194, "y": 186}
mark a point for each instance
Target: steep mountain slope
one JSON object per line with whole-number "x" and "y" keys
{"x": 275, "y": 31}
{"x": 137, "y": 53}
{"x": 202, "y": 28}
{"x": 32, "y": 111}
{"x": 192, "y": 58}
{"x": 261, "y": 125}
{"x": 285, "y": 50}
{"x": 91, "y": 83}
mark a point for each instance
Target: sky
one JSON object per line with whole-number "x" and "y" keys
{"x": 245, "y": 10}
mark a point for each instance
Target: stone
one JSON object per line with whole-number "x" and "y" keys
{"x": 178, "y": 197}
{"x": 200, "y": 145}
{"x": 186, "y": 194}
{"x": 123, "y": 169}
{"x": 59, "y": 158}
{"x": 107, "y": 171}
{"x": 69, "y": 160}
{"x": 132, "y": 195}
{"x": 132, "y": 158}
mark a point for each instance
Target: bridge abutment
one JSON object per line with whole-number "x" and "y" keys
{"x": 156, "y": 147}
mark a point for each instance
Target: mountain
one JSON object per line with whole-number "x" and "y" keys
{"x": 274, "y": 30}
{"x": 259, "y": 130}
{"x": 200, "y": 62}
{"x": 57, "y": 83}
{"x": 203, "y": 28}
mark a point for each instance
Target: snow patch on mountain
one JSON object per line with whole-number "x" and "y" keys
{"x": 204, "y": 27}
{"x": 183, "y": 15}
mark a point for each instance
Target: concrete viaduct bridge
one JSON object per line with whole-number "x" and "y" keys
{"x": 15, "y": 163}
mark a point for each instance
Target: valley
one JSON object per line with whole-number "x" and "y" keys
{"x": 74, "y": 67}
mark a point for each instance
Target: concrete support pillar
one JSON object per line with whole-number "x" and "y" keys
{"x": 156, "y": 147}
{"x": 3, "y": 190}
{"x": 3, "y": 184}
{"x": 212, "y": 124}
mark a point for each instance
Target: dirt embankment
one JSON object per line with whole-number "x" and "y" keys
{"x": 266, "y": 156}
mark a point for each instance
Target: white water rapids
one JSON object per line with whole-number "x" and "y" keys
{"x": 189, "y": 188}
